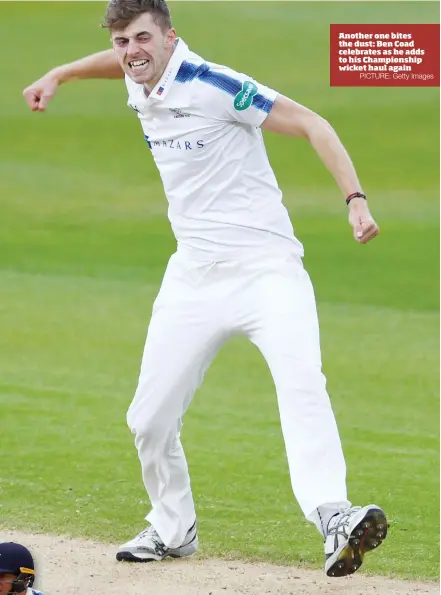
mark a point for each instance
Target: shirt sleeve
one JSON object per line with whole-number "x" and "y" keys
{"x": 234, "y": 96}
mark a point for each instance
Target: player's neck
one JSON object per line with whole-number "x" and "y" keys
{"x": 150, "y": 85}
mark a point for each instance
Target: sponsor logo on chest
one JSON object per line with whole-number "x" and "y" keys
{"x": 178, "y": 113}
{"x": 174, "y": 144}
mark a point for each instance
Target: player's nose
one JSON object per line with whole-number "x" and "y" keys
{"x": 133, "y": 48}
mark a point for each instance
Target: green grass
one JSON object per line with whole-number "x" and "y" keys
{"x": 84, "y": 239}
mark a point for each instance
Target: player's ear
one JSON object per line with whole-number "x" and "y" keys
{"x": 171, "y": 36}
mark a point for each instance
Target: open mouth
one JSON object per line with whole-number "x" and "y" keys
{"x": 137, "y": 65}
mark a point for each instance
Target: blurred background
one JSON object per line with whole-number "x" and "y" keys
{"x": 84, "y": 240}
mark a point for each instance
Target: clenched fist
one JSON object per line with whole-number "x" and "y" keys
{"x": 39, "y": 94}
{"x": 362, "y": 222}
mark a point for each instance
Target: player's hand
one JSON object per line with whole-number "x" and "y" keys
{"x": 363, "y": 224}
{"x": 39, "y": 94}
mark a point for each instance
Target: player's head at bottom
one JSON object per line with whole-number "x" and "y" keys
{"x": 17, "y": 573}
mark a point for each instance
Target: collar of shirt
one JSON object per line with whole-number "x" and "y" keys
{"x": 160, "y": 91}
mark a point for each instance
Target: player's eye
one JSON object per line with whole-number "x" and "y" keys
{"x": 120, "y": 41}
{"x": 144, "y": 39}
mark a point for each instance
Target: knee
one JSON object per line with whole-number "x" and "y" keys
{"x": 156, "y": 408}
{"x": 151, "y": 422}
{"x": 302, "y": 383}
{"x": 146, "y": 424}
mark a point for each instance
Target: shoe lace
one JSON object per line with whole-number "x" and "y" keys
{"x": 149, "y": 531}
{"x": 153, "y": 535}
{"x": 340, "y": 525}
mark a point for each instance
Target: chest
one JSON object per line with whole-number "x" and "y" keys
{"x": 183, "y": 134}
{"x": 169, "y": 126}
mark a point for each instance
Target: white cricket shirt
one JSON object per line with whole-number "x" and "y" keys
{"x": 201, "y": 123}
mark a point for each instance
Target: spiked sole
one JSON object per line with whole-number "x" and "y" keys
{"x": 129, "y": 557}
{"x": 367, "y": 535}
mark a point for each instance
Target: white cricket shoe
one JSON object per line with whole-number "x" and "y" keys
{"x": 350, "y": 535}
{"x": 147, "y": 546}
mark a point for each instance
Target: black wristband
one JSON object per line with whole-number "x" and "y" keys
{"x": 355, "y": 195}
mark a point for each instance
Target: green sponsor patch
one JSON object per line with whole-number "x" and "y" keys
{"x": 244, "y": 98}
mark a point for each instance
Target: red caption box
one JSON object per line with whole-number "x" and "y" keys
{"x": 385, "y": 55}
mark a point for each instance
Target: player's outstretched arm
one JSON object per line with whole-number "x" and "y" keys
{"x": 292, "y": 119}
{"x": 100, "y": 65}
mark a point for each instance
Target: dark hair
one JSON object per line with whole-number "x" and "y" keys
{"x": 120, "y": 13}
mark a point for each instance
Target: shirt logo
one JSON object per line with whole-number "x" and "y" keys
{"x": 172, "y": 143}
{"x": 179, "y": 113}
{"x": 244, "y": 98}
{"x": 160, "y": 91}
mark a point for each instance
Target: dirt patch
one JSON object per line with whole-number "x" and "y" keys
{"x": 80, "y": 567}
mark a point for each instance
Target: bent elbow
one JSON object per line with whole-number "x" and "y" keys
{"x": 318, "y": 127}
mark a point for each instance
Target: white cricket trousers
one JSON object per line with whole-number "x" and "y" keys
{"x": 199, "y": 306}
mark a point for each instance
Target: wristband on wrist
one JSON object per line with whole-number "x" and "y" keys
{"x": 355, "y": 195}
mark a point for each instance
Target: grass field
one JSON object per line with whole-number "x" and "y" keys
{"x": 84, "y": 239}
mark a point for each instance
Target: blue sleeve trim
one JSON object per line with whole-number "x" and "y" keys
{"x": 188, "y": 72}
{"x": 263, "y": 103}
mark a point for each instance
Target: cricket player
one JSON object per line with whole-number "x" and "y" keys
{"x": 237, "y": 269}
{"x": 17, "y": 572}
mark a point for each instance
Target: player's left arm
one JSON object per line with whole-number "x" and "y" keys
{"x": 292, "y": 119}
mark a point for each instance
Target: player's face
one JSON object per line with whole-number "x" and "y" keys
{"x": 6, "y": 581}
{"x": 143, "y": 49}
